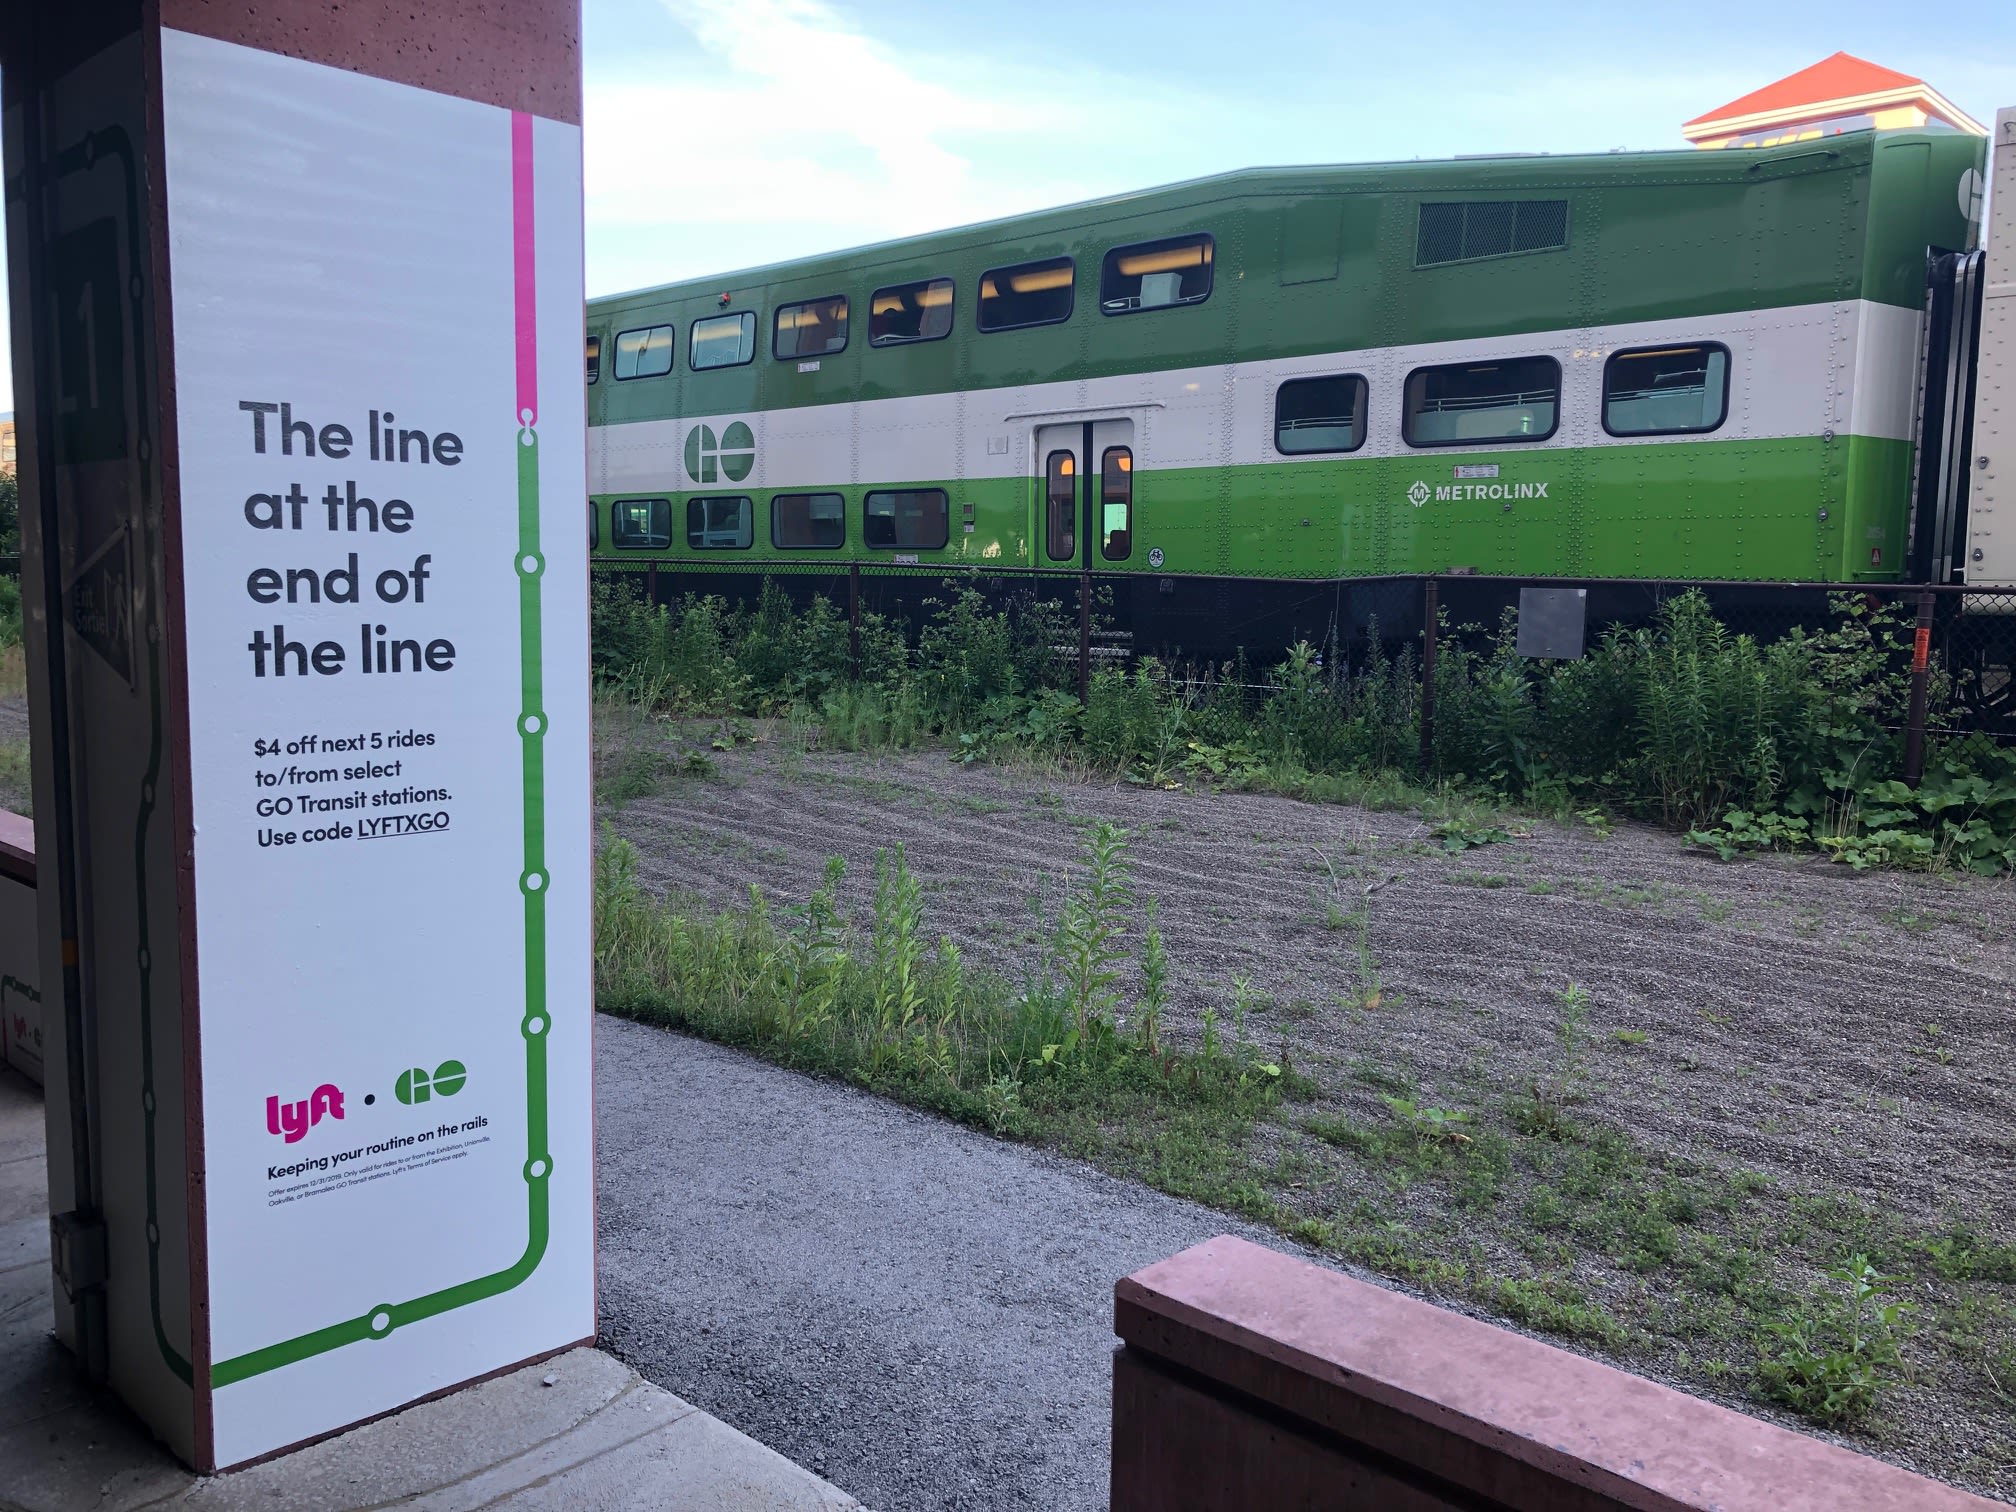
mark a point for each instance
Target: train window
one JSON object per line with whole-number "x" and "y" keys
{"x": 1116, "y": 503}
{"x": 1029, "y": 294}
{"x": 1154, "y": 275}
{"x": 903, "y": 313}
{"x": 916, "y": 518}
{"x": 1060, "y": 517}
{"x": 1664, "y": 391}
{"x": 811, "y": 328}
{"x": 594, "y": 359}
{"x": 1518, "y": 399}
{"x": 594, "y": 526}
{"x": 720, "y": 341}
{"x": 1489, "y": 228}
{"x": 644, "y": 353}
{"x": 640, "y": 524}
{"x": 719, "y": 524}
{"x": 808, "y": 522}
{"x": 1320, "y": 414}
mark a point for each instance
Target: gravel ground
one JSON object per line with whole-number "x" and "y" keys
{"x": 1801, "y": 1019}
{"x": 919, "y": 1313}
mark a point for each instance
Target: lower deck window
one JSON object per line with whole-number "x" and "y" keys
{"x": 808, "y": 521}
{"x": 719, "y": 524}
{"x": 914, "y": 518}
{"x": 640, "y": 524}
{"x": 1666, "y": 390}
{"x": 1320, "y": 415}
{"x": 1518, "y": 399}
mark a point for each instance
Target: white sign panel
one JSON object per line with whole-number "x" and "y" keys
{"x": 378, "y": 330}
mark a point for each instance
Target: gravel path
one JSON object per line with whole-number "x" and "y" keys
{"x": 918, "y": 1313}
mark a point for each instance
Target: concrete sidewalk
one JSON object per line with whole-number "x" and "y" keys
{"x": 578, "y": 1431}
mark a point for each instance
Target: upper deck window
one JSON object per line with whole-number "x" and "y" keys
{"x": 1665, "y": 391}
{"x": 1465, "y": 403}
{"x": 904, "y": 313}
{"x": 811, "y": 328}
{"x": 594, "y": 359}
{"x": 719, "y": 341}
{"x": 643, "y": 353}
{"x": 1028, "y": 294}
{"x": 1154, "y": 275}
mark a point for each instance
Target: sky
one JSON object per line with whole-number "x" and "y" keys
{"x": 723, "y": 134}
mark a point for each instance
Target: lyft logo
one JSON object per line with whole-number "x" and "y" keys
{"x": 294, "y": 1120}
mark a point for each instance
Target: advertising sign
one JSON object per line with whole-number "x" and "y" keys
{"x": 377, "y": 325}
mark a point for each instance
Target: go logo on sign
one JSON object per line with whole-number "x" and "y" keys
{"x": 731, "y": 456}
{"x": 416, "y": 1086}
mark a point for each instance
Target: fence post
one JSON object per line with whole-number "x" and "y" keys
{"x": 1084, "y": 637}
{"x": 1428, "y": 618}
{"x": 651, "y": 584}
{"x": 1921, "y": 677}
{"x": 854, "y": 619}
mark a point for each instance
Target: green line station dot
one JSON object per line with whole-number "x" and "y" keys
{"x": 380, "y": 1321}
{"x": 537, "y": 1168}
{"x": 533, "y": 724}
{"x": 534, "y": 881}
{"x": 531, "y": 564}
{"x": 535, "y": 1025}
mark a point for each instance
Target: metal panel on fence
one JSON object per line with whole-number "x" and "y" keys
{"x": 1551, "y": 622}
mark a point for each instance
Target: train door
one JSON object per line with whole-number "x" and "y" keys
{"x": 1085, "y": 493}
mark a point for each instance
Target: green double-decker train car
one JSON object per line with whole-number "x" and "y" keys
{"x": 1699, "y": 365}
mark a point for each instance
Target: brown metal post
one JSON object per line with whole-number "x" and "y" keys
{"x": 854, "y": 618}
{"x": 651, "y": 584}
{"x": 1429, "y": 615}
{"x": 1084, "y": 637}
{"x": 1921, "y": 678}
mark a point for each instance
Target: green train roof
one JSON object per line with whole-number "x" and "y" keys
{"x": 1484, "y": 173}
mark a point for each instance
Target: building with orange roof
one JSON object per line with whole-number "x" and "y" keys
{"x": 1837, "y": 94}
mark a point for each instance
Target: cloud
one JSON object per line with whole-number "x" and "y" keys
{"x": 780, "y": 128}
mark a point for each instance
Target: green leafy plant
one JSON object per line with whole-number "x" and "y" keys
{"x": 1456, "y": 835}
{"x": 1089, "y": 931}
{"x": 1436, "y": 1125}
{"x": 1832, "y": 1362}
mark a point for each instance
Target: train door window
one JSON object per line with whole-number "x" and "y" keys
{"x": 594, "y": 526}
{"x": 719, "y": 524}
{"x": 811, "y": 328}
{"x": 1466, "y": 403}
{"x": 808, "y": 521}
{"x": 1029, "y": 294}
{"x": 594, "y": 359}
{"x": 1116, "y": 503}
{"x": 1320, "y": 414}
{"x": 1060, "y": 517}
{"x": 640, "y": 524}
{"x": 914, "y": 518}
{"x": 720, "y": 341}
{"x": 904, "y": 313}
{"x": 1666, "y": 391}
{"x": 643, "y": 353}
{"x": 1155, "y": 275}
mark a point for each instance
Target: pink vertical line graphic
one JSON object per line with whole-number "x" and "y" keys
{"x": 524, "y": 273}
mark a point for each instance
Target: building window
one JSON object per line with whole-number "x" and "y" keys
{"x": 1489, "y": 228}
{"x": 640, "y": 524}
{"x": 1666, "y": 391}
{"x": 1154, "y": 275}
{"x": 594, "y": 359}
{"x": 903, "y": 313}
{"x": 1116, "y": 503}
{"x": 1029, "y": 294}
{"x": 721, "y": 341}
{"x": 808, "y": 521}
{"x": 1471, "y": 402}
{"x": 644, "y": 353}
{"x": 719, "y": 524}
{"x": 915, "y": 518}
{"x": 1060, "y": 496}
{"x": 811, "y": 328}
{"x": 1320, "y": 414}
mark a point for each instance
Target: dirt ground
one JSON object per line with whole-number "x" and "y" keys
{"x": 1851, "y": 1038}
